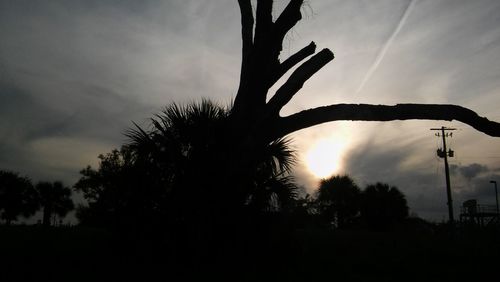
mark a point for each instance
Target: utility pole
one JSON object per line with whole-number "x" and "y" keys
{"x": 445, "y": 154}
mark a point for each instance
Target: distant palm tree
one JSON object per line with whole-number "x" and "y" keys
{"x": 17, "y": 197}
{"x": 55, "y": 199}
{"x": 383, "y": 205}
{"x": 338, "y": 199}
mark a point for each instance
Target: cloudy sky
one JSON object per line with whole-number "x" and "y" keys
{"x": 75, "y": 74}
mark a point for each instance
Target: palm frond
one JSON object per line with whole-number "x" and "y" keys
{"x": 279, "y": 156}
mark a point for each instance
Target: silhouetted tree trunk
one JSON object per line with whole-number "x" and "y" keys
{"x": 47, "y": 214}
{"x": 261, "y": 69}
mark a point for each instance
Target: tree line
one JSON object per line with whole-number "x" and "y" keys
{"x": 340, "y": 202}
{"x": 177, "y": 171}
{"x": 195, "y": 197}
{"x": 20, "y": 197}
{"x": 187, "y": 193}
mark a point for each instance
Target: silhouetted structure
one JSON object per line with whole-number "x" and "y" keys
{"x": 480, "y": 215}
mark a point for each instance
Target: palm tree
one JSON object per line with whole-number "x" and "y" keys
{"x": 185, "y": 166}
{"x": 55, "y": 199}
{"x": 198, "y": 157}
{"x": 338, "y": 200}
{"x": 383, "y": 205}
{"x": 214, "y": 181}
{"x": 17, "y": 197}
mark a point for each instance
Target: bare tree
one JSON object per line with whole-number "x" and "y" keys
{"x": 261, "y": 69}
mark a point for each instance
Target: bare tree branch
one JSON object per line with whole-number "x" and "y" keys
{"x": 292, "y": 61}
{"x": 261, "y": 69}
{"x": 295, "y": 82}
{"x": 288, "y": 18}
{"x": 364, "y": 112}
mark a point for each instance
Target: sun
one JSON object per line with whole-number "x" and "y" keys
{"x": 325, "y": 156}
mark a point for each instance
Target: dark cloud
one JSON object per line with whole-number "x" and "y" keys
{"x": 479, "y": 189}
{"x": 370, "y": 163}
{"x": 469, "y": 171}
{"x": 53, "y": 141}
{"x": 373, "y": 162}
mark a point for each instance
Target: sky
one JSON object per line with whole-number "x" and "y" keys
{"x": 74, "y": 75}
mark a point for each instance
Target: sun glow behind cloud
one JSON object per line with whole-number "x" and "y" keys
{"x": 325, "y": 156}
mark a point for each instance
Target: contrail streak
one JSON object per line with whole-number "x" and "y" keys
{"x": 387, "y": 44}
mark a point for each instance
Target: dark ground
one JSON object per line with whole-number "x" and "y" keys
{"x": 34, "y": 253}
